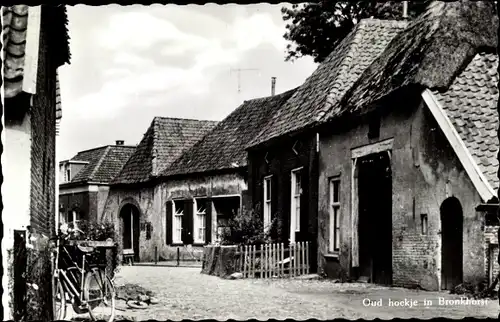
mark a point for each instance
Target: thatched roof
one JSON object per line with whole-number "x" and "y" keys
{"x": 430, "y": 52}
{"x": 333, "y": 77}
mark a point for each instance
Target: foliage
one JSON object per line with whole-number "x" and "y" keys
{"x": 38, "y": 280}
{"x": 315, "y": 29}
{"x": 94, "y": 231}
{"x": 91, "y": 230}
{"x": 247, "y": 228}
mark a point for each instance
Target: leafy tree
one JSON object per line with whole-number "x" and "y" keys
{"x": 314, "y": 29}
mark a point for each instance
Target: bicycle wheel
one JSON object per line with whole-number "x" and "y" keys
{"x": 99, "y": 293}
{"x": 58, "y": 299}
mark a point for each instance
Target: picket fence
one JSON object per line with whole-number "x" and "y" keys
{"x": 273, "y": 260}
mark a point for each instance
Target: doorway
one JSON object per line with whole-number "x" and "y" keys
{"x": 130, "y": 223}
{"x": 375, "y": 218}
{"x": 451, "y": 243}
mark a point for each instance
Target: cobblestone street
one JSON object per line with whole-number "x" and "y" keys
{"x": 184, "y": 293}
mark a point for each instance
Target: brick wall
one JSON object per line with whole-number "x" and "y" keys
{"x": 43, "y": 127}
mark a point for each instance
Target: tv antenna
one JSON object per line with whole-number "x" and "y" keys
{"x": 238, "y": 72}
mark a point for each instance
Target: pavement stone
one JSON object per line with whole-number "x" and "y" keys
{"x": 185, "y": 293}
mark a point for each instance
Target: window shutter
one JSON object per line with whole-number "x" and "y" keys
{"x": 208, "y": 223}
{"x": 274, "y": 206}
{"x": 187, "y": 222}
{"x": 169, "y": 221}
{"x": 303, "y": 202}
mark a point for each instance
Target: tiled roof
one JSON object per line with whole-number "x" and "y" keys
{"x": 104, "y": 163}
{"x": 332, "y": 78}
{"x": 224, "y": 146}
{"x": 429, "y": 52}
{"x": 471, "y": 103}
{"x": 15, "y": 25}
{"x": 164, "y": 141}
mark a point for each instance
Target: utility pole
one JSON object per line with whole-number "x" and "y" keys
{"x": 238, "y": 71}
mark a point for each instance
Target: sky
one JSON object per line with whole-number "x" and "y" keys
{"x": 132, "y": 63}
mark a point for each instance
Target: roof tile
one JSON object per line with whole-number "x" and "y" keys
{"x": 164, "y": 141}
{"x": 104, "y": 163}
{"x": 224, "y": 147}
{"x": 470, "y": 103}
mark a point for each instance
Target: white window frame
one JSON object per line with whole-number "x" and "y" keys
{"x": 267, "y": 202}
{"x": 335, "y": 216}
{"x": 295, "y": 200}
{"x": 177, "y": 223}
{"x": 200, "y": 219}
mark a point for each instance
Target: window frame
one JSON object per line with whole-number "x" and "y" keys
{"x": 200, "y": 219}
{"x": 295, "y": 199}
{"x": 177, "y": 221}
{"x": 334, "y": 215}
{"x": 267, "y": 202}
{"x": 68, "y": 173}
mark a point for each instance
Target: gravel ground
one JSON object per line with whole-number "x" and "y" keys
{"x": 184, "y": 293}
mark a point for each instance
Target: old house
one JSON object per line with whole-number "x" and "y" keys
{"x": 409, "y": 153}
{"x": 135, "y": 201}
{"x": 283, "y": 158}
{"x": 207, "y": 184}
{"x": 85, "y": 178}
{"x": 35, "y": 44}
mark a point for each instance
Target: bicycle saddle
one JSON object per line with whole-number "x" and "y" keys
{"x": 85, "y": 249}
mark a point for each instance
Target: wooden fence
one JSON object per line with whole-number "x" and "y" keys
{"x": 273, "y": 260}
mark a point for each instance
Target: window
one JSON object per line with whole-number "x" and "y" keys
{"x": 68, "y": 174}
{"x": 334, "y": 243}
{"x": 200, "y": 221}
{"x": 178, "y": 212}
{"x": 423, "y": 221}
{"x": 267, "y": 202}
{"x": 295, "y": 207}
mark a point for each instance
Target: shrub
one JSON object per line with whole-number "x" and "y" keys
{"x": 247, "y": 228}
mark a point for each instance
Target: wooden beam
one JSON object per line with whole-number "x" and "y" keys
{"x": 477, "y": 177}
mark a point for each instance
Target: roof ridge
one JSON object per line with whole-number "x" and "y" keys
{"x": 180, "y": 119}
{"x": 88, "y": 150}
{"x": 154, "y": 152}
{"x": 384, "y": 22}
{"x": 101, "y": 160}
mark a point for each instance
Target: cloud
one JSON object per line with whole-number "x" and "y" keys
{"x": 137, "y": 30}
{"x": 259, "y": 28}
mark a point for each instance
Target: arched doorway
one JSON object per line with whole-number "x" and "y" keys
{"x": 451, "y": 243}
{"x": 130, "y": 232}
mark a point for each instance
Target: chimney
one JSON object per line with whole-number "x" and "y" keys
{"x": 405, "y": 9}
{"x": 120, "y": 142}
{"x": 273, "y": 85}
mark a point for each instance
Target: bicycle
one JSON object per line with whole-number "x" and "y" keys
{"x": 86, "y": 287}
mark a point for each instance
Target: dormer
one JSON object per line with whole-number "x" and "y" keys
{"x": 69, "y": 169}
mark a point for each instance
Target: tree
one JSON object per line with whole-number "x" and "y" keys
{"x": 314, "y": 29}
